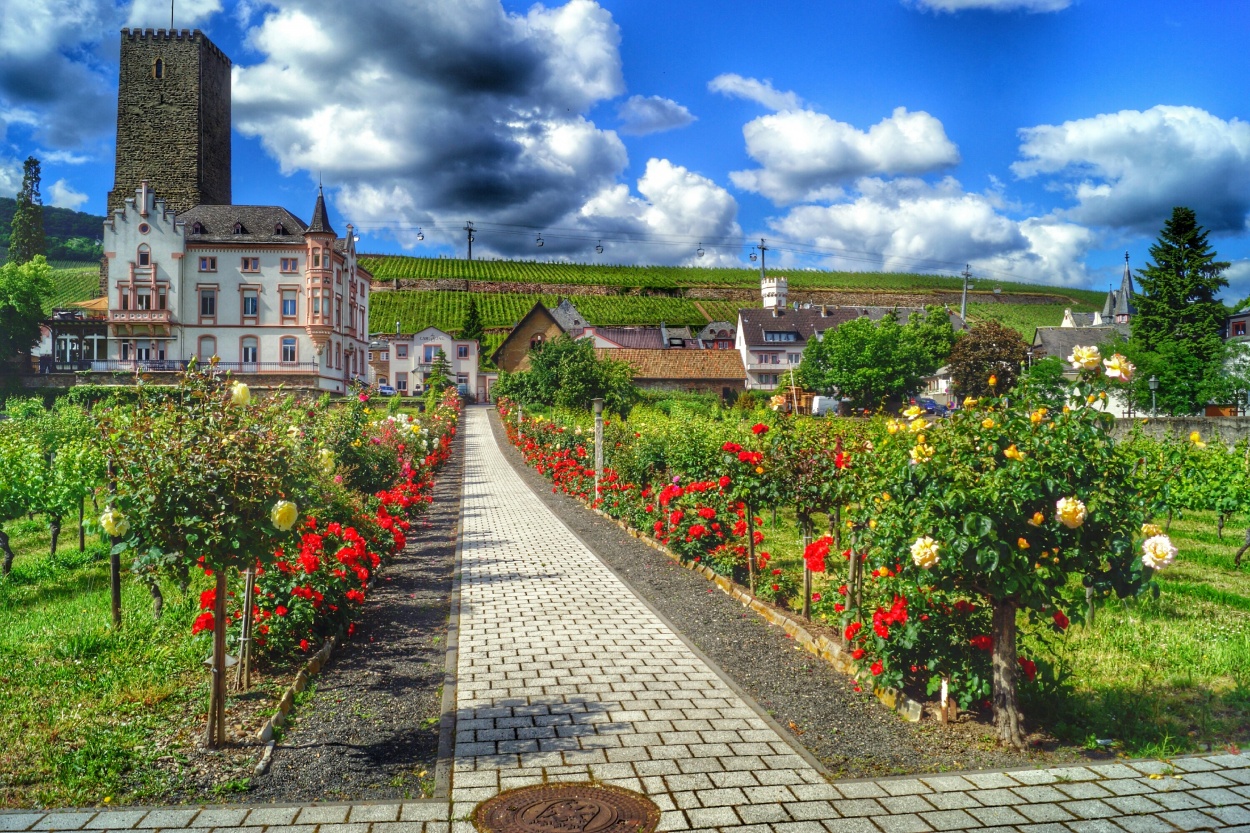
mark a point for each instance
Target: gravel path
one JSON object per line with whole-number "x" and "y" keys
{"x": 371, "y": 728}
{"x": 850, "y": 733}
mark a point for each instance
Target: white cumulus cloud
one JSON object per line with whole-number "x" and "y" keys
{"x": 154, "y": 14}
{"x": 1128, "y": 169}
{"x": 641, "y": 115}
{"x": 908, "y": 225}
{"x": 807, "y": 156}
{"x": 994, "y": 5}
{"x": 63, "y": 195}
{"x": 752, "y": 89}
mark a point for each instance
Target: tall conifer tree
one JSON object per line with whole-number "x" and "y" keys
{"x": 26, "y": 238}
{"x": 1177, "y": 331}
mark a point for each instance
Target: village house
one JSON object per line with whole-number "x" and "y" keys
{"x": 405, "y": 362}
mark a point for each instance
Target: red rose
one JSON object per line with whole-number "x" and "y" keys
{"x": 759, "y": 428}
{"x": 203, "y": 622}
{"x": 858, "y": 653}
{"x": 1061, "y": 621}
{"x": 1029, "y": 667}
{"x": 983, "y": 642}
{"x": 877, "y": 668}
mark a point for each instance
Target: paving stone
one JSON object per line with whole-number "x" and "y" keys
{"x": 1179, "y": 800}
{"x": 221, "y": 817}
{"x": 1230, "y": 815}
{"x": 1037, "y": 795}
{"x": 1043, "y": 813}
{"x": 1094, "y": 826}
{"x": 1206, "y": 779}
{"x": 1033, "y": 777}
{"x": 997, "y": 815}
{"x": 1144, "y": 824}
{"x": 950, "y": 820}
{"x": 374, "y": 812}
{"x": 423, "y": 811}
{"x": 903, "y": 823}
{"x": 948, "y": 783}
{"x": 860, "y": 789}
{"x": 859, "y": 807}
{"x": 762, "y": 813}
{"x": 395, "y": 827}
{"x": 712, "y": 817}
{"x": 906, "y": 786}
{"x": 952, "y": 801}
{"x": 991, "y": 780}
{"x": 1134, "y": 804}
{"x": 19, "y": 821}
{"x": 1082, "y": 790}
{"x": 1191, "y": 820}
{"x": 124, "y": 819}
{"x": 905, "y": 804}
{"x": 1092, "y": 809}
{"x": 997, "y": 798}
{"x": 852, "y": 825}
{"x": 168, "y": 818}
{"x": 63, "y": 821}
{"x": 799, "y": 827}
{"x": 811, "y": 810}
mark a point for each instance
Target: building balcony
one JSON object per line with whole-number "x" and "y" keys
{"x": 140, "y": 322}
{"x": 178, "y": 365}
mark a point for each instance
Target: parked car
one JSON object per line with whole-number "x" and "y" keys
{"x": 386, "y": 390}
{"x": 822, "y": 405}
{"x": 932, "y": 406}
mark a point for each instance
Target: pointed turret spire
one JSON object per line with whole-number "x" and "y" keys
{"x": 320, "y": 223}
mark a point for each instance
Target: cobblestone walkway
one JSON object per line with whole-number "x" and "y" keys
{"x": 564, "y": 675}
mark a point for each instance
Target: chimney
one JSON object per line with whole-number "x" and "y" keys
{"x": 824, "y": 310}
{"x": 774, "y": 312}
{"x": 396, "y": 328}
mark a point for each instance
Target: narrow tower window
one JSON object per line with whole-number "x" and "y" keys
{"x": 158, "y": 69}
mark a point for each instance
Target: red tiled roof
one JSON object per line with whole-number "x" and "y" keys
{"x": 679, "y": 364}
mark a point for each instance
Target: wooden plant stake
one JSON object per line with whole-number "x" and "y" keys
{"x": 243, "y": 677}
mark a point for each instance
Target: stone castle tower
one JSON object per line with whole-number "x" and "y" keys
{"x": 173, "y": 119}
{"x": 773, "y": 291}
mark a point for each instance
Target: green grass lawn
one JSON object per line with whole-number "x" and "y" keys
{"x": 87, "y": 711}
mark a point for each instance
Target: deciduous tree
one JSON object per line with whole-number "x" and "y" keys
{"x": 989, "y": 349}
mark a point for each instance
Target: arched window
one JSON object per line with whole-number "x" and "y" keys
{"x": 145, "y": 255}
{"x": 279, "y": 229}
{"x": 207, "y": 348}
{"x": 249, "y": 350}
{"x": 238, "y": 228}
{"x": 158, "y": 69}
{"x": 197, "y": 227}
{"x": 536, "y": 339}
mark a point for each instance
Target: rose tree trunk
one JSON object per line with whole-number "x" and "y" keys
{"x": 215, "y": 728}
{"x": 1007, "y": 718}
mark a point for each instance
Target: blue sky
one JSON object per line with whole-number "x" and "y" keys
{"x": 1035, "y": 139}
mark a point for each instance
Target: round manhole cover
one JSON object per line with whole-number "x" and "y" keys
{"x": 567, "y": 808}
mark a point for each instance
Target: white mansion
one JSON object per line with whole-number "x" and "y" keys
{"x": 253, "y": 285}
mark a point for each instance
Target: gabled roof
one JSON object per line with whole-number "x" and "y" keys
{"x": 804, "y": 322}
{"x": 567, "y": 316}
{"x": 320, "y": 223}
{"x": 648, "y": 338}
{"x": 1059, "y": 341}
{"x": 680, "y": 365}
{"x": 259, "y": 224}
{"x": 712, "y": 330}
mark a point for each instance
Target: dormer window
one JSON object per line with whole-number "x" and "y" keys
{"x": 197, "y": 227}
{"x": 238, "y": 228}
{"x": 279, "y": 230}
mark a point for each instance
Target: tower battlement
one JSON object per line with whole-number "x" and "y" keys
{"x": 173, "y": 118}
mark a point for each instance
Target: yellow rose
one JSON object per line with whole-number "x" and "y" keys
{"x": 1037, "y": 520}
{"x": 969, "y": 402}
{"x": 892, "y": 426}
{"x": 917, "y": 425}
{"x": 114, "y": 523}
{"x": 283, "y": 514}
{"x": 1013, "y": 453}
{"x": 1037, "y": 416}
{"x": 913, "y": 412}
{"x": 872, "y": 523}
{"x": 993, "y": 380}
{"x": 1151, "y": 530}
{"x": 987, "y": 423}
{"x": 925, "y": 553}
{"x": 1196, "y": 439}
{"x": 1085, "y": 358}
{"x": 1022, "y": 544}
{"x": 239, "y": 394}
{"x": 1070, "y": 512}
{"x": 325, "y": 460}
{"x": 759, "y": 469}
{"x": 1118, "y": 367}
{"x": 922, "y": 453}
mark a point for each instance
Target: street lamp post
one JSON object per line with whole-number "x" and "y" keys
{"x": 598, "y": 405}
{"x": 1154, "y": 386}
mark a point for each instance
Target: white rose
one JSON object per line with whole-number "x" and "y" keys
{"x": 239, "y": 394}
{"x": 924, "y": 553}
{"x": 1085, "y": 358}
{"x": 1158, "y": 552}
{"x": 114, "y": 523}
{"x": 1070, "y": 512}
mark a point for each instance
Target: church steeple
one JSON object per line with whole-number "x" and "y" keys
{"x": 1124, "y": 307}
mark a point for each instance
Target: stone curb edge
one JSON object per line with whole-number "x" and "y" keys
{"x": 451, "y": 667}
{"x": 823, "y": 647}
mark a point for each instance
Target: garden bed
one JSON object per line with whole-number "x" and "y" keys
{"x": 849, "y": 732}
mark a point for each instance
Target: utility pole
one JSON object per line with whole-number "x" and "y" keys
{"x": 763, "y": 249}
{"x": 468, "y": 227}
{"x": 963, "y": 303}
